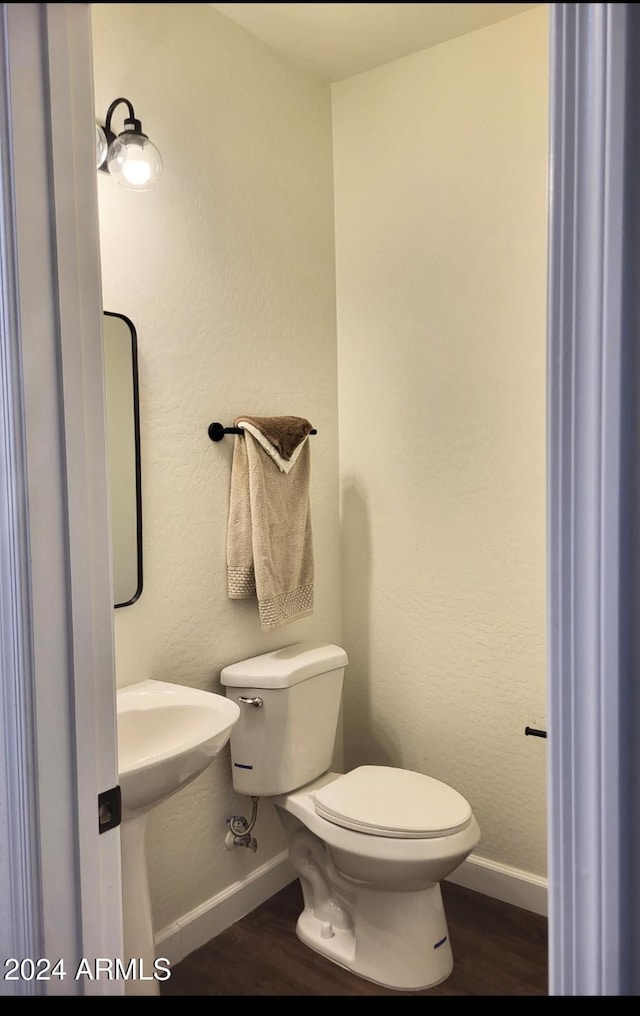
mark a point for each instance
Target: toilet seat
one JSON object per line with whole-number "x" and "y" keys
{"x": 397, "y": 803}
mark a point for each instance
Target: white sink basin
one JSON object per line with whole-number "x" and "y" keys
{"x": 167, "y": 735}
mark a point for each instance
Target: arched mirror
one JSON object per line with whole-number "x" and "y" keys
{"x": 123, "y": 447}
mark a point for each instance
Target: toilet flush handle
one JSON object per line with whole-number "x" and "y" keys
{"x": 257, "y": 702}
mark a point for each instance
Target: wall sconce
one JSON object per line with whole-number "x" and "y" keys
{"x": 130, "y": 157}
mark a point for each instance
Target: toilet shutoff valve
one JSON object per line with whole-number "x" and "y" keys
{"x": 239, "y": 834}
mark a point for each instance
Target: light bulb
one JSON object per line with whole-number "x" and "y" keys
{"x": 136, "y": 171}
{"x": 134, "y": 161}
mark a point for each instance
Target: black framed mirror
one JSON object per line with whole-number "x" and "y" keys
{"x": 123, "y": 455}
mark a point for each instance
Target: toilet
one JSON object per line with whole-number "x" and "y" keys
{"x": 370, "y": 846}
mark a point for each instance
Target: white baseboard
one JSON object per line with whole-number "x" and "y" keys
{"x": 213, "y": 916}
{"x": 198, "y": 927}
{"x": 511, "y": 885}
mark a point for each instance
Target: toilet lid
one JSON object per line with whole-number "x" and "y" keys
{"x": 384, "y": 801}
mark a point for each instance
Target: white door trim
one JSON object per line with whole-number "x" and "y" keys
{"x": 58, "y": 708}
{"x": 589, "y": 682}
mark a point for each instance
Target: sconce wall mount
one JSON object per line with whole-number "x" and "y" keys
{"x": 129, "y": 157}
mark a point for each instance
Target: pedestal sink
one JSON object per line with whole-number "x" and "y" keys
{"x": 167, "y": 736}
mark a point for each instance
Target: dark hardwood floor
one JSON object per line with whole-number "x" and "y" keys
{"x": 498, "y": 949}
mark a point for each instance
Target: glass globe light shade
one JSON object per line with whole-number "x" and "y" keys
{"x": 101, "y": 146}
{"x": 134, "y": 161}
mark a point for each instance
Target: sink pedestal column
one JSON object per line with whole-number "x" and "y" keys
{"x": 167, "y": 736}
{"x": 139, "y": 940}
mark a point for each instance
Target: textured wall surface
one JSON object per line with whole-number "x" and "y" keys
{"x": 440, "y": 179}
{"x": 227, "y": 271}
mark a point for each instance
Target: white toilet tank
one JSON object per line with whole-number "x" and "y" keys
{"x": 289, "y": 707}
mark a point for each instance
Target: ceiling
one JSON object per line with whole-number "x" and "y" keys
{"x": 335, "y": 41}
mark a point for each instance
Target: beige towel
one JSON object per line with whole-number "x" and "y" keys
{"x": 269, "y": 540}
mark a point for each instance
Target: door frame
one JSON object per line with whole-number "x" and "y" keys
{"x": 59, "y": 875}
{"x": 590, "y": 400}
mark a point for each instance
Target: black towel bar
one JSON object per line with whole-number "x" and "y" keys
{"x": 216, "y": 431}
{"x": 532, "y": 732}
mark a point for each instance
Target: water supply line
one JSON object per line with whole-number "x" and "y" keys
{"x": 240, "y": 829}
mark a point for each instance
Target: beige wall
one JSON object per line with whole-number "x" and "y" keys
{"x": 227, "y": 271}
{"x": 440, "y": 180}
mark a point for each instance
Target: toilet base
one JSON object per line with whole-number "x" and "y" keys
{"x": 399, "y": 940}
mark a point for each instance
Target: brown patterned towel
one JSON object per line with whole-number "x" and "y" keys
{"x": 269, "y": 538}
{"x": 285, "y": 433}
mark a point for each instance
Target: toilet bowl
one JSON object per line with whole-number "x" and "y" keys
{"x": 370, "y": 846}
{"x": 383, "y": 885}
